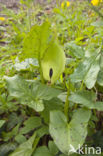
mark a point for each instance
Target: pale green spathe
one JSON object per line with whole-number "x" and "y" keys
{"x": 54, "y": 58}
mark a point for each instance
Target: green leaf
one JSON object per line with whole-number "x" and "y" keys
{"x": 83, "y": 97}
{"x": 30, "y": 93}
{"x": 9, "y": 135}
{"x": 6, "y": 148}
{"x": 26, "y": 64}
{"x": 45, "y": 92}
{"x": 36, "y": 41}
{"x": 101, "y": 61}
{"x": 87, "y": 71}
{"x": 22, "y": 89}
{"x": 53, "y": 148}
{"x": 30, "y": 124}
{"x": 66, "y": 135}
{"x": 42, "y": 131}
{"x": 54, "y": 59}
{"x": 1, "y": 123}
{"x": 20, "y": 138}
{"x": 40, "y": 43}
{"x": 13, "y": 120}
{"x": 54, "y": 104}
{"x": 75, "y": 50}
{"x": 87, "y": 99}
{"x": 81, "y": 70}
{"x": 42, "y": 151}
{"x": 92, "y": 74}
{"x": 74, "y": 154}
{"x": 100, "y": 78}
{"x": 26, "y": 148}
{"x": 37, "y": 105}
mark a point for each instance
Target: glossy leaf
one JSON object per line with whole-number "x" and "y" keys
{"x": 66, "y": 135}
{"x": 42, "y": 151}
{"x": 53, "y": 148}
{"x": 87, "y": 71}
{"x": 26, "y": 64}
{"x": 92, "y": 74}
{"x": 75, "y": 50}
{"x": 42, "y": 131}
{"x": 26, "y": 148}
{"x": 31, "y": 93}
{"x": 53, "y": 104}
{"x": 1, "y": 123}
{"x": 11, "y": 134}
{"x": 20, "y": 138}
{"x": 100, "y": 78}
{"x": 30, "y": 124}
{"x": 87, "y": 99}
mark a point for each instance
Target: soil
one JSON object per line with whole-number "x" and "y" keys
{"x": 14, "y": 4}
{"x": 9, "y": 3}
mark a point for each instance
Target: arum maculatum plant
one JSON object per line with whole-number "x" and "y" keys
{"x": 63, "y": 116}
{"x": 42, "y": 44}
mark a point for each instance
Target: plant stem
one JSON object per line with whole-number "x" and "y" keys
{"x": 35, "y": 144}
{"x": 39, "y": 60}
{"x": 41, "y": 73}
{"x": 29, "y": 19}
{"x": 66, "y": 106}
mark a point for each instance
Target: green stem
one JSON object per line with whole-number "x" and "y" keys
{"x": 39, "y": 60}
{"x": 35, "y": 144}
{"x": 29, "y": 15}
{"x": 40, "y": 69}
{"x": 81, "y": 87}
{"x": 66, "y": 106}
